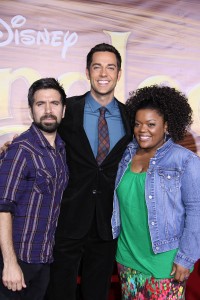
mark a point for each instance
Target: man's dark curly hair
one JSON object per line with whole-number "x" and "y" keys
{"x": 168, "y": 102}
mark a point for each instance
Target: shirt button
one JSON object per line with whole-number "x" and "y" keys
{"x": 168, "y": 176}
{"x": 157, "y": 248}
{"x": 94, "y": 192}
{"x": 152, "y": 223}
{"x": 153, "y": 162}
{"x": 150, "y": 197}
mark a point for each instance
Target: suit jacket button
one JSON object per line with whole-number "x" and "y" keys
{"x": 94, "y": 192}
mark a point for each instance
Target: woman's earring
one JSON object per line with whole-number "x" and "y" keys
{"x": 165, "y": 136}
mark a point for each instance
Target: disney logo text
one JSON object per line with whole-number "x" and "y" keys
{"x": 30, "y": 37}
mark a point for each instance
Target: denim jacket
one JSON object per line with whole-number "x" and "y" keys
{"x": 172, "y": 194}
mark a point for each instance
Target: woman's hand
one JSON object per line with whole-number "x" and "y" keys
{"x": 180, "y": 273}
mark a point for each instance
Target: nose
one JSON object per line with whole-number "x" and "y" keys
{"x": 143, "y": 128}
{"x": 103, "y": 72}
{"x": 48, "y": 108}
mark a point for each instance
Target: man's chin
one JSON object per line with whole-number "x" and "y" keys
{"x": 49, "y": 128}
{"x": 103, "y": 93}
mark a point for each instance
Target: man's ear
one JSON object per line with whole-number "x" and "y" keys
{"x": 87, "y": 72}
{"x": 30, "y": 113}
{"x": 64, "y": 109}
{"x": 119, "y": 75}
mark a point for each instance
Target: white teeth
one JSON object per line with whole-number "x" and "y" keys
{"x": 144, "y": 138}
{"x": 103, "y": 81}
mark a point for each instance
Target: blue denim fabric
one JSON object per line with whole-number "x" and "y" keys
{"x": 172, "y": 193}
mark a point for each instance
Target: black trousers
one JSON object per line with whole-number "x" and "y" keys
{"x": 36, "y": 279}
{"x": 96, "y": 257}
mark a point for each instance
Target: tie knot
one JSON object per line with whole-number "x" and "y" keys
{"x": 102, "y": 110}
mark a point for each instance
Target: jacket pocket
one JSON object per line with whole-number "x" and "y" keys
{"x": 169, "y": 179}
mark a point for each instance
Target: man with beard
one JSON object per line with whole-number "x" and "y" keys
{"x": 34, "y": 175}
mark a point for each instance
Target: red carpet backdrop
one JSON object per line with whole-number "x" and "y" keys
{"x": 159, "y": 42}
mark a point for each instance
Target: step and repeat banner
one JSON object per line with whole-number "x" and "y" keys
{"x": 159, "y": 42}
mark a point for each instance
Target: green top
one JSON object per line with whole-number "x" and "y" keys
{"x": 134, "y": 243}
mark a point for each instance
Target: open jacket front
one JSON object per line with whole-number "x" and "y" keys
{"x": 172, "y": 193}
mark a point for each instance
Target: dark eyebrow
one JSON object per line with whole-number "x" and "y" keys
{"x": 36, "y": 101}
{"x": 99, "y": 64}
{"x": 112, "y": 65}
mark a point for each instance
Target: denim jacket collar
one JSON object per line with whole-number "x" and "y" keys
{"x": 160, "y": 152}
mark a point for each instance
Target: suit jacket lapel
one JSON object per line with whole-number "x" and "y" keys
{"x": 84, "y": 142}
{"x": 126, "y": 138}
{"x": 125, "y": 119}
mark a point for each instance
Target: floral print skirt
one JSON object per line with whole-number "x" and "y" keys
{"x": 138, "y": 286}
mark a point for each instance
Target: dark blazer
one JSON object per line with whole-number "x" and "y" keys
{"x": 90, "y": 188}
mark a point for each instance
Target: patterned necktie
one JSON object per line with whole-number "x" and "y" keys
{"x": 103, "y": 136}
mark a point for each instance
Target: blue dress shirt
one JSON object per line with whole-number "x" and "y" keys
{"x": 113, "y": 118}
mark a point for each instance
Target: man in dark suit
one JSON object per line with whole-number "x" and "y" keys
{"x": 84, "y": 232}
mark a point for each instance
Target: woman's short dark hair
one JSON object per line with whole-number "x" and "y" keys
{"x": 168, "y": 102}
{"x": 46, "y": 83}
{"x": 103, "y": 47}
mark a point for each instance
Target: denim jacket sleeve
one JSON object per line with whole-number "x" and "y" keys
{"x": 189, "y": 246}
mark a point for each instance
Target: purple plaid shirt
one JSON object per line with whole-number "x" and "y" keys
{"x": 33, "y": 176}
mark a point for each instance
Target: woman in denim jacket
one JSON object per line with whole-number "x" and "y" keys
{"x": 158, "y": 195}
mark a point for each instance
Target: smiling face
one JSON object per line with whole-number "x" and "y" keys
{"x": 47, "y": 110}
{"x": 103, "y": 75}
{"x": 149, "y": 129}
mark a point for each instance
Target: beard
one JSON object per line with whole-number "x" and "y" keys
{"x": 47, "y": 127}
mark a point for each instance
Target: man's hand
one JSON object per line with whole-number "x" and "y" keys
{"x": 13, "y": 277}
{"x": 180, "y": 273}
{"x": 6, "y": 145}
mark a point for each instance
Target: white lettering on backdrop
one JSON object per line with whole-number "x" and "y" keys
{"x": 30, "y": 37}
